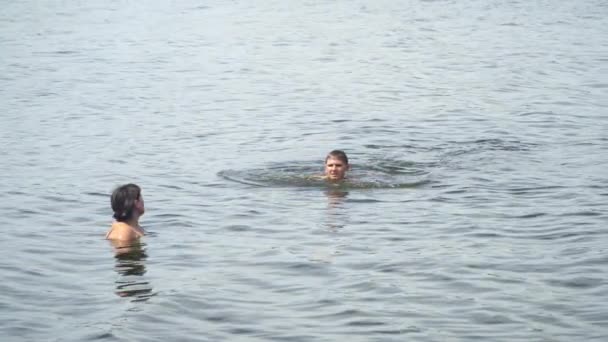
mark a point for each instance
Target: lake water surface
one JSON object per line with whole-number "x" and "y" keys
{"x": 479, "y": 130}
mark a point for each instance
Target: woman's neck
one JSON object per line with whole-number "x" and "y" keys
{"x": 133, "y": 222}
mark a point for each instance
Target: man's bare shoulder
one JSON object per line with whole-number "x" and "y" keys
{"x": 317, "y": 177}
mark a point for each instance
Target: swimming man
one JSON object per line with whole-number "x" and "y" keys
{"x": 336, "y": 166}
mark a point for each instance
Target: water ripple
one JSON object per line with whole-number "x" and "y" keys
{"x": 476, "y": 212}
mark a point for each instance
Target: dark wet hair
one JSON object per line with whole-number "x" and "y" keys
{"x": 338, "y": 154}
{"x": 123, "y": 201}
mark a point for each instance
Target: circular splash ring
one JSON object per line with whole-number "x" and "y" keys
{"x": 380, "y": 175}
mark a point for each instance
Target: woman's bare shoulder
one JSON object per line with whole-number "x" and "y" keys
{"x": 122, "y": 231}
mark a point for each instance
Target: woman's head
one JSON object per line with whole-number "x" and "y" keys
{"x": 127, "y": 202}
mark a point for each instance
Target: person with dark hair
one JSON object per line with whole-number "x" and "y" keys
{"x": 128, "y": 205}
{"x": 336, "y": 166}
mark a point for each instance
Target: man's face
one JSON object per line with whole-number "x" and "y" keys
{"x": 335, "y": 169}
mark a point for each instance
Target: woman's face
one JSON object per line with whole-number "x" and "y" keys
{"x": 139, "y": 204}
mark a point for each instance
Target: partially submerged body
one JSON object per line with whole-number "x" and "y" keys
{"x": 125, "y": 244}
{"x": 128, "y": 206}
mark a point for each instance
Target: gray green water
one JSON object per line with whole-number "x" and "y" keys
{"x": 491, "y": 116}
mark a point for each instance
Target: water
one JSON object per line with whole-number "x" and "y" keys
{"x": 493, "y": 114}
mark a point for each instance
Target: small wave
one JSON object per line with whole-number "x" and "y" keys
{"x": 484, "y": 145}
{"x": 578, "y": 282}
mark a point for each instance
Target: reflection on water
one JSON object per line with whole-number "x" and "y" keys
{"x": 335, "y": 220}
{"x": 131, "y": 267}
{"x": 335, "y": 200}
{"x": 335, "y": 196}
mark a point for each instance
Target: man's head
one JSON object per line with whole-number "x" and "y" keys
{"x": 336, "y": 165}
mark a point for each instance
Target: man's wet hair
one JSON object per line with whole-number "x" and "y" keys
{"x": 338, "y": 154}
{"x": 123, "y": 201}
